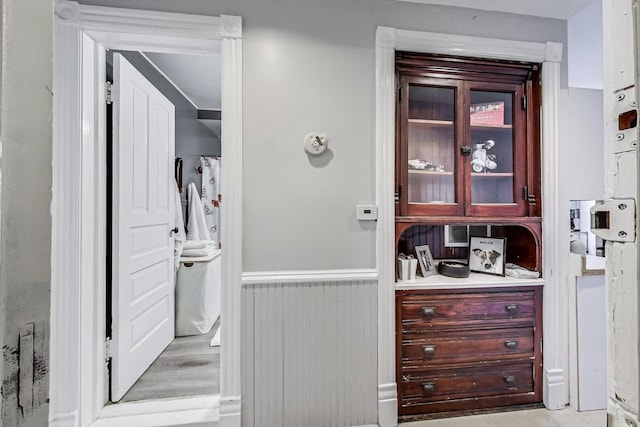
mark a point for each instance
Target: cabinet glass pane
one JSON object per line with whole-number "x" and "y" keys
{"x": 431, "y": 142}
{"x": 491, "y": 120}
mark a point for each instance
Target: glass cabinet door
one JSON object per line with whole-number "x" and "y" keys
{"x": 495, "y": 123}
{"x": 461, "y": 148}
{"x": 430, "y": 113}
{"x": 490, "y": 117}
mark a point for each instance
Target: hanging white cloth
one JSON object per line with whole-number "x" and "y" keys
{"x": 196, "y": 225}
{"x": 178, "y": 222}
{"x": 211, "y": 197}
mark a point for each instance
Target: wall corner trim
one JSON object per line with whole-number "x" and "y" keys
{"x": 231, "y": 26}
{"x": 67, "y": 10}
{"x": 385, "y": 37}
{"x": 554, "y": 52}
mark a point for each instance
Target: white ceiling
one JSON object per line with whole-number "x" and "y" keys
{"x": 196, "y": 76}
{"x": 559, "y": 9}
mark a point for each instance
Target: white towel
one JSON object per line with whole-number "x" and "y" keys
{"x": 196, "y": 224}
{"x": 198, "y": 244}
{"x": 209, "y": 250}
{"x": 178, "y": 222}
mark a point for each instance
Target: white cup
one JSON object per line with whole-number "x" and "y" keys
{"x": 413, "y": 266}
{"x": 403, "y": 268}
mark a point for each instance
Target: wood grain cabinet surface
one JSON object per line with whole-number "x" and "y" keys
{"x": 468, "y": 349}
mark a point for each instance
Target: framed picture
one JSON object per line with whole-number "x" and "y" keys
{"x": 457, "y": 236}
{"x": 486, "y": 255}
{"x": 427, "y": 266}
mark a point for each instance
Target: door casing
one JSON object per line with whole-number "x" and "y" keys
{"x": 78, "y": 386}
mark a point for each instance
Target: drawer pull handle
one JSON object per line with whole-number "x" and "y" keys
{"x": 510, "y": 379}
{"x": 429, "y": 387}
{"x": 511, "y": 308}
{"x": 428, "y": 311}
{"x": 429, "y": 349}
{"x": 511, "y": 344}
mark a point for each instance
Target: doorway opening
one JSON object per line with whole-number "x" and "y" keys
{"x": 190, "y": 364}
{"x": 79, "y": 379}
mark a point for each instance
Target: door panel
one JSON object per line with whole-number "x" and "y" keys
{"x": 143, "y": 278}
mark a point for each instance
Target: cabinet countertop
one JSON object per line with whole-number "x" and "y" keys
{"x": 475, "y": 280}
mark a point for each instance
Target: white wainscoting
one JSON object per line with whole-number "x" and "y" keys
{"x": 309, "y": 345}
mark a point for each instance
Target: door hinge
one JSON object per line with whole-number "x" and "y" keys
{"x": 398, "y": 194}
{"x": 524, "y": 102}
{"x": 400, "y": 94}
{"x": 108, "y": 92}
{"x": 107, "y": 349}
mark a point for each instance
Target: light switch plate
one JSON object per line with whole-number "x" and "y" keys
{"x": 367, "y": 212}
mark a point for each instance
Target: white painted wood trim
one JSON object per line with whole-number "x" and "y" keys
{"x": 190, "y": 409}
{"x": 231, "y": 222}
{"x": 550, "y": 54}
{"x": 82, "y": 33}
{"x": 555, "y": 304}
{"x": 308, "y": 276}
{"x": 385, "y": 238}
{"x": 480, "y": 47}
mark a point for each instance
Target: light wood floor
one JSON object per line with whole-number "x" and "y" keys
{"x": 528, "y": 418}
{"x": 187, "y": 367}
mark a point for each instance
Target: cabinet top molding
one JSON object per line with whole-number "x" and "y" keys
{"x": 457, "y": 45}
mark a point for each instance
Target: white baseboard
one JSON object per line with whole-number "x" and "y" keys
{"x": 192, "y": 411}
{"x": 387, "y": 405}
{"x": 554, "y": 389}
{"x": 618, "y": 417}
{"x": 230, "y": 411}
{"x": 69, "y": 419}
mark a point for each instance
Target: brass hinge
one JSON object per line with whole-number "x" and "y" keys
{"x": 524, "y": 102}
{"x": 528, "y": 197}
{"x": 108, "y": 92}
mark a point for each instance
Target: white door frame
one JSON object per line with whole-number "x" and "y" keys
{"x": 388, "y": 40}
{"x": 78, "y": 387}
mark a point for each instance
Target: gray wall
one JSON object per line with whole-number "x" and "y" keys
{"x": 309, "y": 66}
{"x": 25, "y": 245}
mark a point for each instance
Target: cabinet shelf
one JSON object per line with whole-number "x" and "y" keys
{"x": 475, "y": 280}
{"x": 491, "y": 127}
{"x": 429, "y": 122}
{"x": 427, "y": 172}
{"x": 449, "y": 173}
{"x": 492, "y": 174}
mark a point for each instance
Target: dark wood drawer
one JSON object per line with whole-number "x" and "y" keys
{"x": 481, "y": 381}
{"x": 467, "y": 346}
{"x": 423, "y": 312}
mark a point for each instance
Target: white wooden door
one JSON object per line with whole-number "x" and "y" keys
{"x": 143, "y": 276}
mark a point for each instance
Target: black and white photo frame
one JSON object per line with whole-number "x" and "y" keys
{"x": 425, "y": 259}
{"x": 487, "y": 255}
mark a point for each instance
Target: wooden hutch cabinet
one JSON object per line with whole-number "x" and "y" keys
{"x": 468, "y": 156}
{"x": 468, "y": 141}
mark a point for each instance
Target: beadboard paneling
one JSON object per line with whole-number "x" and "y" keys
{"x": 310, "y": 353}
